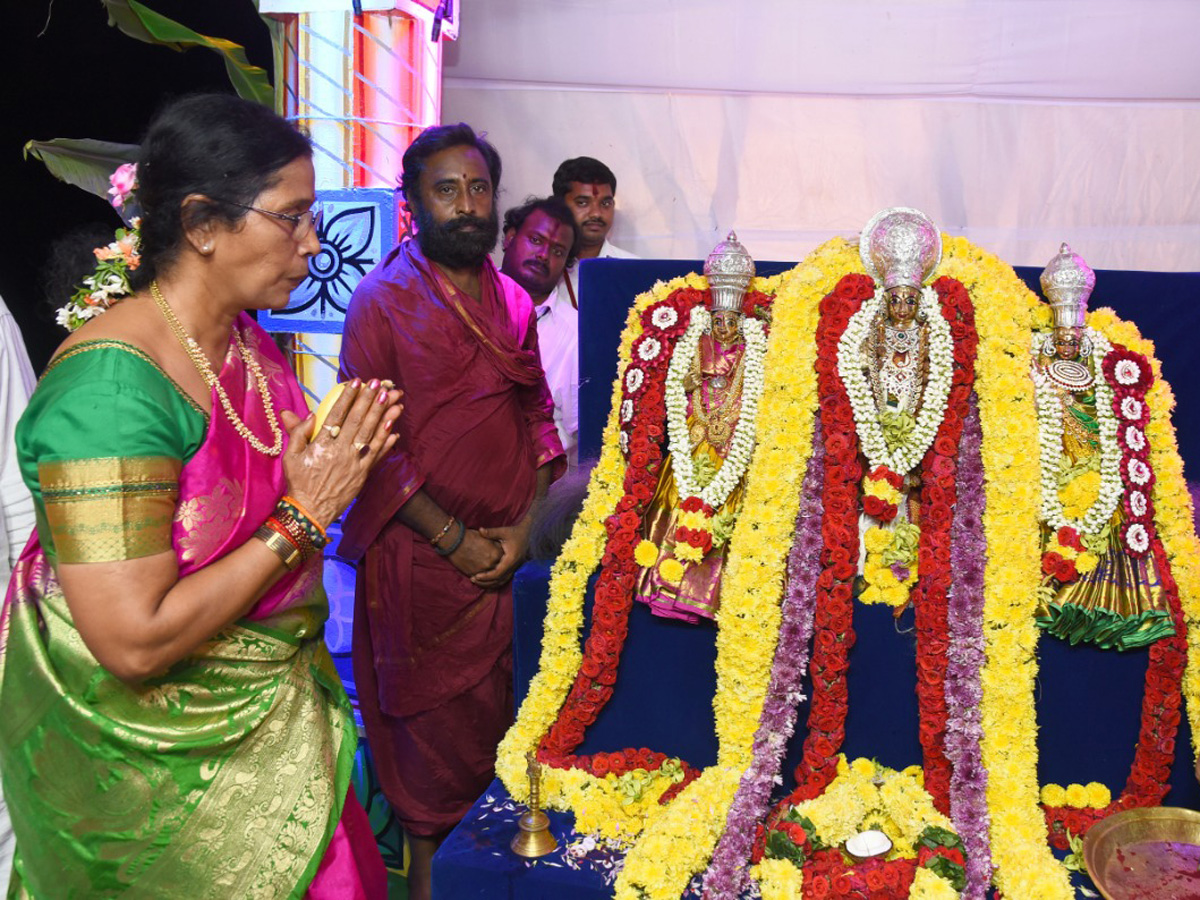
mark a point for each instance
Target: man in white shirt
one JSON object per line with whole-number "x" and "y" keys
{"x": 540, "y": 241}
{"x": 16, "y": 506}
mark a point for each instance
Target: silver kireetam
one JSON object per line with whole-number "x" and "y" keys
{"x": 729, "y": 270}
{"x": 1067, "y": 282}
{"x": 900, "y": 246}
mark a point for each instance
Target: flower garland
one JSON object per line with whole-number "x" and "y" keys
{"x": 851, "y": 363}
{"x": 1003, "y": 308}
{"x": 965, "y": 657}
{"x": 1130, "y": 376}
{"x": 1050, "y": 428}
{"x": 109, "y": 282}
{"x": 1172, "y": 502}
{"x": 596, "y": 676}
{"x": 694, "y": 535}
{"x": 726, "y": 875}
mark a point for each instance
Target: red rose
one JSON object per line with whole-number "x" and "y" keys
{"x": 945, "y": 445}
{"x": 892, "y": 875}
{"x": 599, "y": 765}
{"x": 844, "y": 571}
{"x": 879, "y": 508}
{"x": 819, "y": 886}
{"x": 1069, "y": 537}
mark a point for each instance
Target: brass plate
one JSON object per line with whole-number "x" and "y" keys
{"x": 1145, "y": 854}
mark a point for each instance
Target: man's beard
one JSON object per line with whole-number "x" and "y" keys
{"x": 449, "y": 245}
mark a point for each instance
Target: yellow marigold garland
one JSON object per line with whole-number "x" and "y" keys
{"x": 1003, "y": 310}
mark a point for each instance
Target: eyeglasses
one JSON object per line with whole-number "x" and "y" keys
{"x": 301, "y": 223}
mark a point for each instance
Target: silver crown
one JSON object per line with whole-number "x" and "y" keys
{"x": 1067, "y": 282}
{"x": 729, "y": 269}
{"x": 900, "y": 246}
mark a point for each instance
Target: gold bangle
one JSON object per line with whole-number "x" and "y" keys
{"x": 289, "y": 554}
{"x": 436, "y": 539}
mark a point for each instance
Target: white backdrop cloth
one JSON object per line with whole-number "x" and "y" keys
{"x": 1017, "y": 123}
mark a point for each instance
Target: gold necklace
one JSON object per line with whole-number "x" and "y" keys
{"x": 200, "y": 361}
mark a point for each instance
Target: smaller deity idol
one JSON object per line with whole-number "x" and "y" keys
{"x": 1096, "y": 587}
{"x": 895, "y": 359}
{"x": 713, "y": 384}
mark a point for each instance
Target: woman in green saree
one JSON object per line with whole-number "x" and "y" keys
{"x": 171, "y": 724}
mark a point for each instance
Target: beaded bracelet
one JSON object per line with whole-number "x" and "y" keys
{"x": 437, "y": 538}
{"x": 462, "y": 533}
{"x": 289, "y": 506}
{"x": 289, "y": 554}
{"x": 284, "y": 524}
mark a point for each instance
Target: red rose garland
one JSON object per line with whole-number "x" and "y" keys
{"x": 642, "y": 418}
{"x": 939, "y": 471}
{"x": 834, "y": 629}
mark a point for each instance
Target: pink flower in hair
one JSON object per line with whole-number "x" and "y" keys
{"x": 122, "y": 183}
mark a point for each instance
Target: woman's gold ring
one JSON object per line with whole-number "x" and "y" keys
{"x": 334, "y": 430}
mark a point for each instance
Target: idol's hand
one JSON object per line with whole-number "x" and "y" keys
{"x": 324, "y": 474}
{"x": 514, "y": 541}
{"x": 475, "y": 554}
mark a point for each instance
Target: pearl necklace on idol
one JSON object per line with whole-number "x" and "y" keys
{"x": 741, "y": 445}
{"x": 1050, "y": 427}
{"x": 204, "y": 367}
{"x": 852, "y": 365}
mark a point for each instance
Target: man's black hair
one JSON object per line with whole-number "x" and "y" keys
{"x": 441, "y": 137}
{"x": 585, "y": 170}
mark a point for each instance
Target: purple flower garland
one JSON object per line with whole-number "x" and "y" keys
{"x": 964, "y": 692}
{"x": 727, "y": 877}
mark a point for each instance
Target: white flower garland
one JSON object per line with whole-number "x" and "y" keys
{"x": 737, "y": 458}
{"x": 1050, "y": 426}
{"x": 851, "y": 363}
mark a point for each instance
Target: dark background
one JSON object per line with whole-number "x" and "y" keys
{"x": 66, "y": 73}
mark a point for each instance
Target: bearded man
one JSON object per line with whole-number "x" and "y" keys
{"x": 443, "y": 522}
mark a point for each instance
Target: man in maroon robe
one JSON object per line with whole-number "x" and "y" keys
{"x": 443, "y": 522}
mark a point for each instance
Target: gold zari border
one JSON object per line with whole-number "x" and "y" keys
{"x": 110, "y": 509}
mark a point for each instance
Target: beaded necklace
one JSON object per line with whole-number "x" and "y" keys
{"x": 204, "y": 367}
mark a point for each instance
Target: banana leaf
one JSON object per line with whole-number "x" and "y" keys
{"x": 143, "y": 24}
{"x": 83, "y": 162}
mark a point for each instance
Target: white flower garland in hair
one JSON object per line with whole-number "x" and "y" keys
{"x": 1050, "y": 428}
{"x": 851, "y": 363}
{"x": 737, "y": 458}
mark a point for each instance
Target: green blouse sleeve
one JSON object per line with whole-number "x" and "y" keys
{"x": 101, "y": 446}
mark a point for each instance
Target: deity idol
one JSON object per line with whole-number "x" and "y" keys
{"x": 895, "y": 361}
{"x": 1097, "y": 586}
{"x": 716, "y": 368}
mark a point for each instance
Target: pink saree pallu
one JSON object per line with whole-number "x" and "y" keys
{"x": 228, "y": 776}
